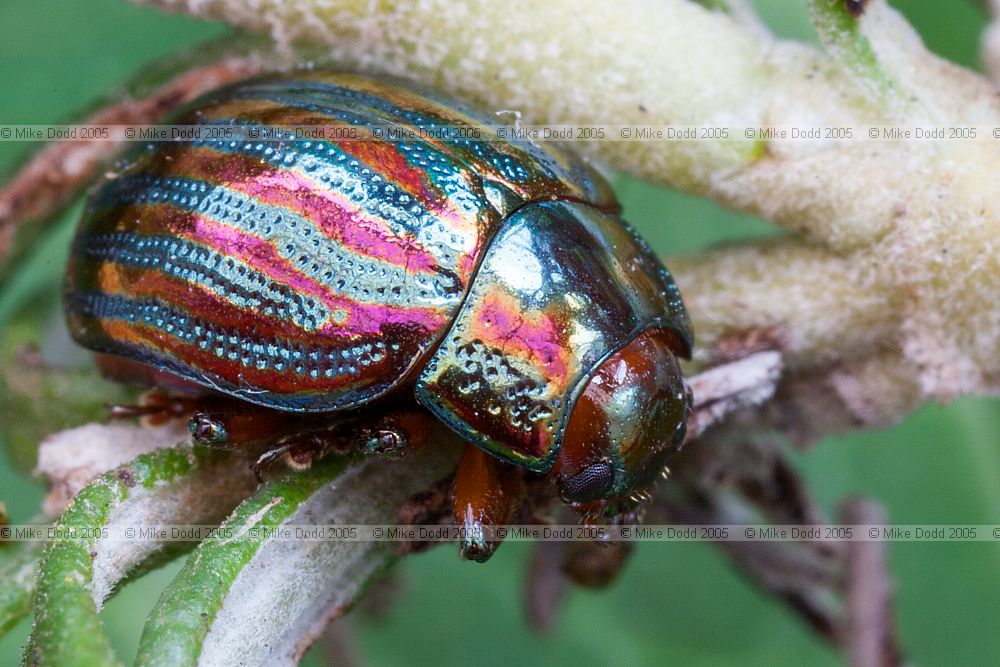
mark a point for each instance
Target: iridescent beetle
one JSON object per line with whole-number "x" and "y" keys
{"x": 491, "y": 281}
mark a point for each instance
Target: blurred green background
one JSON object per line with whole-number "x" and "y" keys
{"x": 676, "y": 603}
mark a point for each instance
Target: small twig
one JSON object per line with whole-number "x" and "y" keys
{"x": 733, "y": 386}
{"x": 869, "y": 635}
{"x": 339, "y": 644}
{"x": 56, "y": 173}
{"x": 731, "y": 477}
{"x": 546, "y": 585}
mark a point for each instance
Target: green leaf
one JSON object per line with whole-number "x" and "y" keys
{"x": 840, "y": 33}
{"x": 18, "y": 568}
{"x": 241, "y": 598}
{"x": 81, "y": 567}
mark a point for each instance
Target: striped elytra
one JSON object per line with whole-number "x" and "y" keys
{"x": 489, "y": 279}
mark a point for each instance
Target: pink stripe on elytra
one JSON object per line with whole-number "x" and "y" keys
{"x": 334, "y": 214}
{"x": 259, "y": 254}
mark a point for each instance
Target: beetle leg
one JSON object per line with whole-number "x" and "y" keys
{"x": 595, "y": 564}
{"x": 156, "y": 407}
{"x": 487, "y": 493}
{"x": 297, "y": 452}
{"x": 245, "y": 425}
{"x": 395, "y": 434}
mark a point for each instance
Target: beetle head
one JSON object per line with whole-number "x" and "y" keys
{"x": 631, "y": 416}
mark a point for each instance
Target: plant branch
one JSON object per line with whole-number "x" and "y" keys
{"x": 897, "y": 233}
{"x": 875, "y": 307}
{"x": 200, "y": 618}
{"x": 711, "y": 68}
{"x": 869, "y": 633}
{"x": 58, "y": 172}
{"x": 738, "y": 474}
{"x": 18, "y": 570}
{"x": 734, "y": 386}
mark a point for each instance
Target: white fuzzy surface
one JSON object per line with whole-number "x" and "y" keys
{"x": 281, "y": 601}
{"x": 202, "y": 498}
{"x": 73, "y": 458}
{"x": 629, "y": 61}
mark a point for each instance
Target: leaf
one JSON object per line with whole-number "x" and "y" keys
{"x": 241, "y": 599}
{"x": 177, "y": 485}
{"x": 839, "y": 32}
{"x": 18, "y": 567}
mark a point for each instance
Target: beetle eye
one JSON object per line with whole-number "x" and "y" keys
{"x": 591, "y": 483}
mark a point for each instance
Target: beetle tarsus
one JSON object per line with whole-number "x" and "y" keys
{"x": 595, "y": 564}
{"x": 397, "y": 434}
{"x": 487, "y": 494}
{"x": 298, "y": 452}
{"x": 300, "y": 456}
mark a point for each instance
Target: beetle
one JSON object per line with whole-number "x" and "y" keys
{"x": 387, "y": 275}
